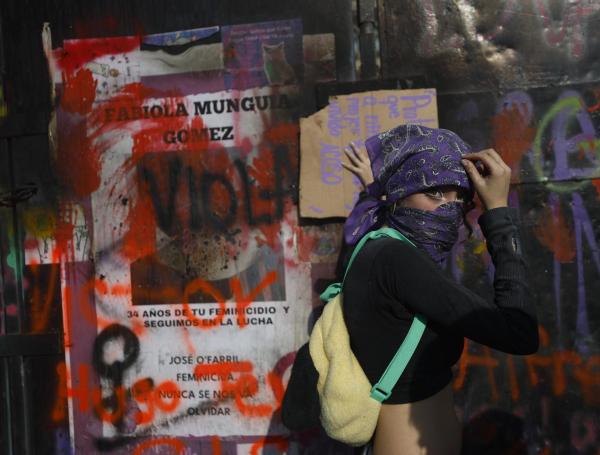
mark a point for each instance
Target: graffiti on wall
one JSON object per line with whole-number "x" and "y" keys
{"x": 549, "y": 138}
{"x": 174, "y": 249}
{"x": 185, "y": 281}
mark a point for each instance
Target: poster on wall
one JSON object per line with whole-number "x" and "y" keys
{"x": 269, "y": 53}
{"x": 212, "y": 267}
{"x": 351, "y": 118}
{"x": 178, "y": 159}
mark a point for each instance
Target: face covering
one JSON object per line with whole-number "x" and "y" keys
{"x": 434, "y": 232}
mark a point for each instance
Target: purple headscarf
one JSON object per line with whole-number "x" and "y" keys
{"x": 405, "y": 160}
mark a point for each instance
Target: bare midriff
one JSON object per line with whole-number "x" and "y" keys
{"x": 427, "y": 427}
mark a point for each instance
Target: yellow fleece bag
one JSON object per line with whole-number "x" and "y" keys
{"x": 349, "y": 403}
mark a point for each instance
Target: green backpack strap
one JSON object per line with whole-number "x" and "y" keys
{"x": 335, "y": 288}
{"x": 383, "y": 388}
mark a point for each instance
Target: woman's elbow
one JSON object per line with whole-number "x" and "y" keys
{"x": 529, "y": 340}
{"x": 531, "y": 346}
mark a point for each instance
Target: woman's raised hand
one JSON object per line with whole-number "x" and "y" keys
{"x": 492, "y": 183}
{"x": 360, "y": 164}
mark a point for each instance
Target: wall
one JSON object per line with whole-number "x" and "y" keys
{"x": 169, "y": 178}
{"x": 521, "y": 76}
{"x": 76, "y": 229}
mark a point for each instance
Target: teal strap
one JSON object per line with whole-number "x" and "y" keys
{"x": 331, "y": 291}
{"x": 335, "y": 288}
{"x": 383, "y": 389}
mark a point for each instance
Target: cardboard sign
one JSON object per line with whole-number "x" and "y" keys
{"x": 326, "y": 188}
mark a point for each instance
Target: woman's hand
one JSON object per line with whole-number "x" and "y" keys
{"x": 360, "y": 164}
{"x": 491, "y": 180}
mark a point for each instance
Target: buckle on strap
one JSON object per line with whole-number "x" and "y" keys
{"x": 379, "y": 394}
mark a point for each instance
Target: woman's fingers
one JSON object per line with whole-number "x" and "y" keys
{"x": 351, "y": 167}
{"x": 356, "y": 157}
{"x": 497, "y": 158}
{"x": 359, "y": 163}
{"x": 493, "y": 184}
{"x": 352, "y": 156}
{"x": 493, "y": 163}
{"x": 473, "y": 173}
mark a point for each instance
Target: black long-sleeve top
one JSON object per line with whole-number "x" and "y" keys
{"x": 391, "y": 280}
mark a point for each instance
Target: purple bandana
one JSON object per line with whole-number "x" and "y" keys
{"x": 406, "y": 160}
{"x": 434, "y": 232}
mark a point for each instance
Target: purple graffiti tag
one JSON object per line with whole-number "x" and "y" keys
{"x": 372, "y": 125}
{"x": 554, "y": 204}
{"x": 331, "y": 164}
{"x": 557, "y": 303}
{"x": 334, "y": 118}
{"x": 63, "y": 442}
{"x": 583, "y": 225}
{"x": 519, "y": 99}
{"x": 565, "y": 146}
{"x": 411, "y": 112}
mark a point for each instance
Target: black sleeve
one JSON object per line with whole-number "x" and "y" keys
{"x": 508, "y": 323}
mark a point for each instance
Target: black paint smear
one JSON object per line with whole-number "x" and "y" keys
{"x": 115, "y": 371}
{"x": 201, "y": 196}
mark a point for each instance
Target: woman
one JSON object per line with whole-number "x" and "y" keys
{"x": 423, "y": 180}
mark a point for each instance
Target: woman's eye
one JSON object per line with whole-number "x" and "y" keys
{"x": 435, "y": 194}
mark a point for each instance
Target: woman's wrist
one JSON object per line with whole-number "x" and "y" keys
{"x": 494, "y": 203}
